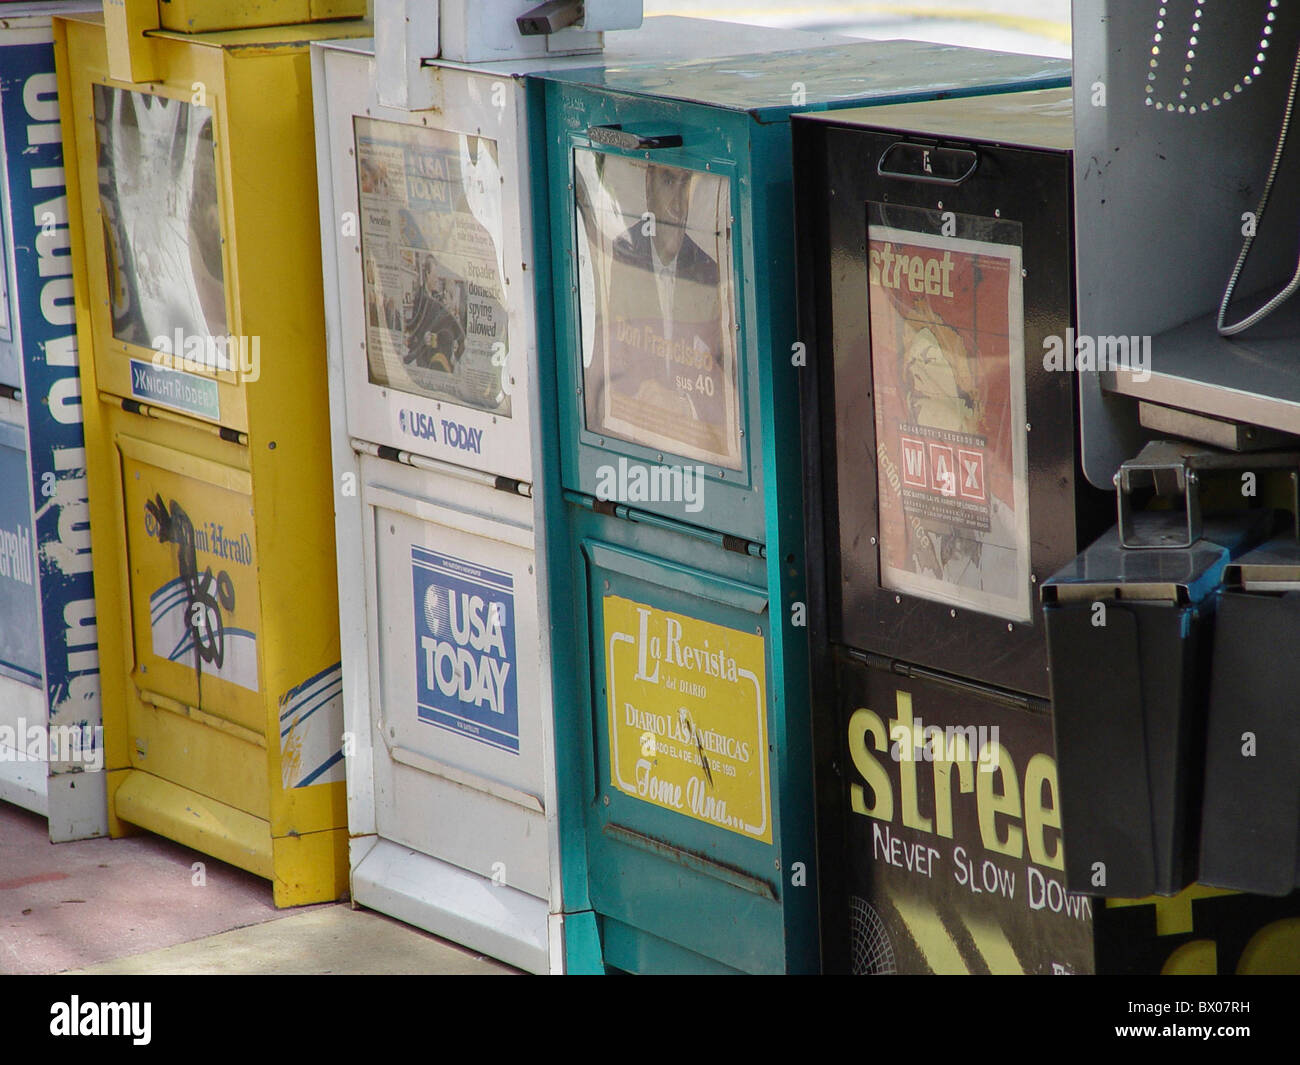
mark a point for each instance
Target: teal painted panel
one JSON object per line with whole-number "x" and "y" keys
{"x": 669, "y": 889}
{"x": 687, "y": 772}
{"x": 784, "y": 82}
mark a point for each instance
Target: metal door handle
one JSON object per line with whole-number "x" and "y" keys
{"x": 618, "y": 137}
{"x": 927, "y": 163}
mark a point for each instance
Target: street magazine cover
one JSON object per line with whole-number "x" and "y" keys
{"x": 948, "y": 364}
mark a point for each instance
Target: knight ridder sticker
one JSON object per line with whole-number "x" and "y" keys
{"x": 948, "y": 367}
{"x": 688, "y": 716}
{"x": 176, "y": 389}
{"x": 466, "y": 676}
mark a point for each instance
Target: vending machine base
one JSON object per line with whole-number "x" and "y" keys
{"x": 452, "y": 902}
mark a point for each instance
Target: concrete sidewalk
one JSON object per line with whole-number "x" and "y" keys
{"x": 147, "y": 905}
{"x": 1040, "y": 27}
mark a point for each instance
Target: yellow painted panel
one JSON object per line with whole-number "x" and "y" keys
{"x": 688, "y": 731}
{"x": 131, "y": 55}
{"x": 196, "y": 615}
{"x": 311, "y": 868}
{"x": 1273, "y": 951}
{"x": 117, "y": 828}
{"x": 309, "y": 809}
{"x": 281, "y": 298}
{"x": 204, "y": 824}
{"x": 201, "y": 759}
{"x": 201, "y": 16}
{"x": 338, "y": 9}
{"x": 1200, "y": 957}
{"x": 175, "y": 452}
{"x": 1174, "y": 915}
{"x": 268, "y": 39}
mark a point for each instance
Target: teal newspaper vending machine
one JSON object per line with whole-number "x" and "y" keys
{"x": 684, "y": 743}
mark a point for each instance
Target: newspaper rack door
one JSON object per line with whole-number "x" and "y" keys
{"x": 663, "y": 394}
{"x": 948, "y": 503}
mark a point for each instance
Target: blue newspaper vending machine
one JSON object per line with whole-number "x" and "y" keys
{"x": 683, "y": 742}
{"x": 51, "y": 752}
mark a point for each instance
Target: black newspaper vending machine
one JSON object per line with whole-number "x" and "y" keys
{"x": 936, "y": 287}
{"x": 945, "y": 485}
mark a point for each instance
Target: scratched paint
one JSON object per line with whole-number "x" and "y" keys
{"x": 311, "y": 730}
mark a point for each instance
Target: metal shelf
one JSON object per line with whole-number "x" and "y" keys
{"x": 1253, "y": 378}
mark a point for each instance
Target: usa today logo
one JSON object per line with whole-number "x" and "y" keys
{"x": 421, "y": 426}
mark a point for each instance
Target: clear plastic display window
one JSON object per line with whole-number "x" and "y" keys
{"x": 946, "y": 306}
{"x": 657, "y": 306}
{"x": 432, "y": 271}
{"x": 162, "y": 222}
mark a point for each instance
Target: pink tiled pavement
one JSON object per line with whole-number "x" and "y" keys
{"x": 68, "y": 905}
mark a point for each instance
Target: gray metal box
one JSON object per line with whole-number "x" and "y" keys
{"x": 1178, "y": 106}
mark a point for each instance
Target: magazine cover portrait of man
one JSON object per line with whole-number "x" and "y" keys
{"x": 658, "y": 324}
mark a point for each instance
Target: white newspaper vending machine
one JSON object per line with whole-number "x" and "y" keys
{"x": 51, "y": 742}
{"x": 444, "y": 439}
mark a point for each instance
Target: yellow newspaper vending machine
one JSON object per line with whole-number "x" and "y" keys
{"x": 192, "y": 199}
